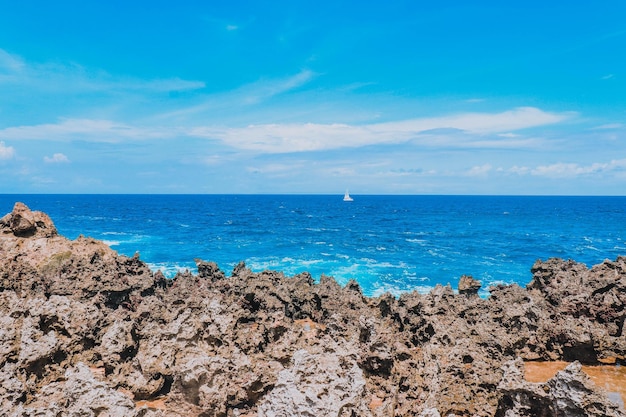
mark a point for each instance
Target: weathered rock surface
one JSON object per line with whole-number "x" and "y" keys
{"x": 84, "y": 331}
{"x": 569, "y": 393}
{"x": 23, "y": 222}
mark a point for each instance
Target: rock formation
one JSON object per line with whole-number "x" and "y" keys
{"x": 84, "y": 331}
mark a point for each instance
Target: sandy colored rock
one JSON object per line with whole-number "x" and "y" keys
{"x": 23, "y": 222}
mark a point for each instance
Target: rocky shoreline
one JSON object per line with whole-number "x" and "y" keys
{"x": 86, "y": 332}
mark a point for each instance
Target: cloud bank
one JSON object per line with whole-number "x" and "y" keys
{"x": 283, "y": 138}
{"x": 306, "y": 137}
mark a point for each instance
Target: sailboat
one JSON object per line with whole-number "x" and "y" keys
{"x": 347, "y": 197}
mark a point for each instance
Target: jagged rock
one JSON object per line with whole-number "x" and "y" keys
{"x": 79, "y": 394}
{"x": 23, "y": 222}
{"x": 209, "y": 270}
{"x": 35, "y": 345}
{"x": 469, "y": 285}
{"x": 323, "y": 384}
{"x": 269, "y": 345}
{"x": 574, "y": 393}
{"x": 569, "y": 393}
{"x": 118, "y": 342}
{"x": 12, "y": 388}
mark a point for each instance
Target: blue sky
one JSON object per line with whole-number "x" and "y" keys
{"x": 313, "y": 97}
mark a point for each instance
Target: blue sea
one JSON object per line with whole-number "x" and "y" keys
{"x": 386, "y": 243}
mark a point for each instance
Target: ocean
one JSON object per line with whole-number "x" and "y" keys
{"x": 386, "y": 243}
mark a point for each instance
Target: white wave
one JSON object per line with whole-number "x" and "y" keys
{"x": 169, "y": 269}
{"x": 311, "y": 262}
{"x": 397, "y": 290}
{"x": 373, "y": 263}
{"x": 366, "y": 259}
{"x": 93, "y": 218}
{"x": 347, "y": 270}
{"x": 421, "y": 242}
{"x": 587, "y": 248}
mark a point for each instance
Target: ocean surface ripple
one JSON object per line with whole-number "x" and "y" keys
{"x": 386, "y": 243}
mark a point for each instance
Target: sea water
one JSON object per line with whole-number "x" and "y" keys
{"x": 386, "y": 243}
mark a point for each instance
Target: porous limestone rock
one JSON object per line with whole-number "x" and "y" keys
{"x": 569, "y": 393}
{"x": 23, "y": 222}
{"x": 320, "y": 384}
{"x": 469, "y": 285}
{"x": 84, "y": 331}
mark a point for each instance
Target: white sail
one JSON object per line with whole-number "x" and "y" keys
{"x": 347, "y": 197}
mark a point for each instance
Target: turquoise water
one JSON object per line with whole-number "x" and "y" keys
{"x": 386, "y": 243}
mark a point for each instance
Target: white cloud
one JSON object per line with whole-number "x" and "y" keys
{"x": 158, "y": 85}
{"x": 356, "y": 86}
{"x": 73, "y": 78}
{"x": 275, "y": 169}
{"x": 56, "y": 159}
{"x": 247, "y": 95}
{"x": 265, "y": 89}
{"x": 231, "y": 27}
{"x": 6, "y": 152}
{"x": 468, "y": 131}
{"x": 609, "y": 126}
{"x": 516, "y": 119}
{"x": 479, "y": 171}
{"x": 10, "y": 63}
{"x": 569, "y": 170}
{"x": 280, "y": 138}
{"x": 520, "y": 170}
{"x": 95, "y": 130}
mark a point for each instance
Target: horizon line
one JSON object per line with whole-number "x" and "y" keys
{"x": 315, "y": 194}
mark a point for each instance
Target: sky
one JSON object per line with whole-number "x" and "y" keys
{"x": 400, "y": 97}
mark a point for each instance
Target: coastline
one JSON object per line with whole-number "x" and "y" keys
{"x": 389, "y": 243}
{"x": 85, "y": 329}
